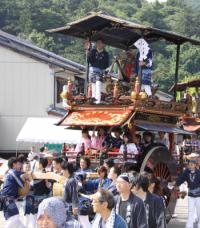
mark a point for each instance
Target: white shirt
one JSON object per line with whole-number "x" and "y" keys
{"x": 131, "y": 148}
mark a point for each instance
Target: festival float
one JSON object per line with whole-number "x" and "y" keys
{"x": 124, "y": 105}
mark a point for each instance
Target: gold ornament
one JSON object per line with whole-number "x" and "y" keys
{"x": 133, "y": 95}
{"x": 65, "y": 95}
{"x": 143, "y": 95}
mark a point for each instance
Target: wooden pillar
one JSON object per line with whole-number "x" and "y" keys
{"x": 132, "y": 131}
{"x": 171, "y": 142}
{"x": 176, "y": 70}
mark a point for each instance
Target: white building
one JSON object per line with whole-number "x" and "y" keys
{"x": 31, "y": 81}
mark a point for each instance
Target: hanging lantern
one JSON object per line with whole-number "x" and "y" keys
{"x": 143, "y": 95}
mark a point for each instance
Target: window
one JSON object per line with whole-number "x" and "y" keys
{"x": 77, "y": 89}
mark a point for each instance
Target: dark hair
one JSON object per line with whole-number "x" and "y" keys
{"x": 85, "y": 131}
{"x": 100, "y": 39}
{"x": 21, "y": 158}
{"x": 138, "y": 136}
{"x": 142, "y": 182}
{"x": 42, "y": 149}
{"x": 117, "y": 129}
{"x": 58, "y": 160}
{"x": 98, "y": 130}
{"x": 109, "y": 162}
{"x": 102, "y": 169}
{"x": 157, "y": 187}
{"x": 43, "y": 162}
{"x": 146, "y": 134}
{"x": 128, "y": 166}
{"x": 128, "y": 135}
{"x": 87, "y": 161}
{"x": 133, "y": 178}
{"x": 12, "y": 161}
{"x": 106, "y": 196}
{"x": 67, "y": 166}
{"x": 117, "y": 170}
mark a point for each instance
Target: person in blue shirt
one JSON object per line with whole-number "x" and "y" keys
{"x": 10, "y": 186}
{"x": 13, "y": 180}
{"x": 191, "y": 175}
{"x": 98, "y": 60}
{"x": 113, "y": 175}
{"x": 84, "y": 166}
{"x": 71, "y": 188}
{"x": 155, "y": 210}
{"x": 40, "y": 191}
{"x": 101, "y": 182}
{"x": 144, "y": 69}
{"x": 103, "y": 204}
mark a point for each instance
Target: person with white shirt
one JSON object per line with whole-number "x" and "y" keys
{"x": 128, "y": 147}
{"x": 163, "y": 138}
{"x": 103, "y": 203}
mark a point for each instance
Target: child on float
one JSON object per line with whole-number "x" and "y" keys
{"x": 128, "y": 147}
{"x": 85, "y": 142}
{"x": 97, "y": 140}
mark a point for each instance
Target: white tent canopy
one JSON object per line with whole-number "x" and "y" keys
{"x": 44, "y": 130}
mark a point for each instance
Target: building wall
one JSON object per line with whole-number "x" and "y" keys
{"x": 26, "y": 90}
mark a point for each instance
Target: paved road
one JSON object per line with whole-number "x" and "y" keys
{"x": 178, "y": 222}
{"x": 181, "y": 212}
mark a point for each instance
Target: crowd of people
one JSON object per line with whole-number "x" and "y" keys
{"x": 115, "y": 140}
{"x": 119, "y": 196}
{"x": 191, "y": 144}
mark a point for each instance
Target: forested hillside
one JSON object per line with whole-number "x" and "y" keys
{"x": 29, "y": 19}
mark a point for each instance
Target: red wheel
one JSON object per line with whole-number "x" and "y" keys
{"x": 161, "y": 171}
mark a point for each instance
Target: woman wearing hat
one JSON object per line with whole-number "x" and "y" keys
{"x": 52, "y": 214}
{"x": 191, "y": 175}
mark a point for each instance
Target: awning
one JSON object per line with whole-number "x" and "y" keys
{"x": 157, "y": 128}
{"x": 44, "y": 130}
{"x": 117, "y": 32}
{"x": 96, "y": 118}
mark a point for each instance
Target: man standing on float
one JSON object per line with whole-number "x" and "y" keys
{"x": 144, "y": 61}
{"x": 98, "y": 60}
